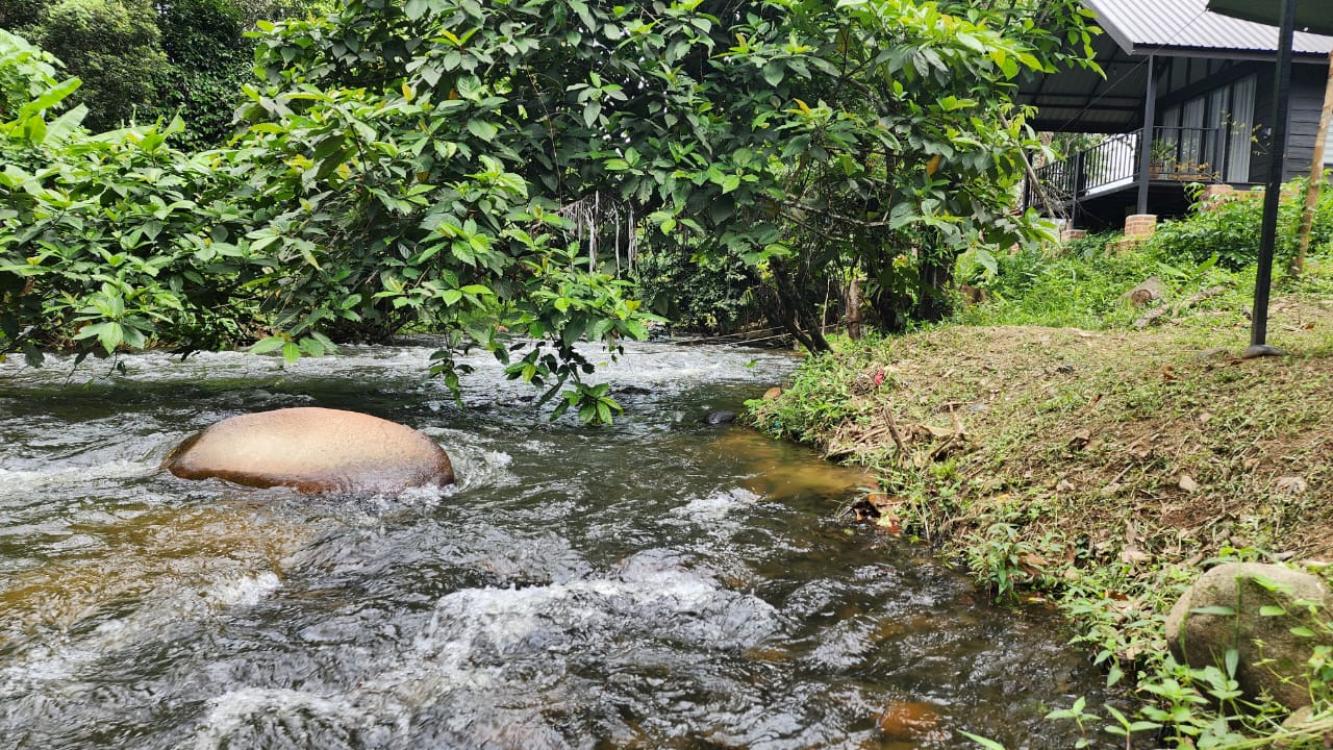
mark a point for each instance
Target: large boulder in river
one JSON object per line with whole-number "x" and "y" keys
{"x": 1254, "y": 609}
{"x": 313, "y": 450}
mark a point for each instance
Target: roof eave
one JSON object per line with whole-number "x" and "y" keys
{"x": 1216, "y": 53}
{"x": 1115, "y": 32}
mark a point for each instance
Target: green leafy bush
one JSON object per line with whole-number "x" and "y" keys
{"x": 118, "y": 241}
{"x": 1230, "y": 228}
{"x": 718, "y": 297}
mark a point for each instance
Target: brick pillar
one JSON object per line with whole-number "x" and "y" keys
{"x": 1215, "y": 195}
{"x": 1140, "y": 226}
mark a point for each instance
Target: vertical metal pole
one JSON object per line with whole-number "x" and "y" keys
{"x": 1273, "y": 197}
{"x": 1146, "y": 137}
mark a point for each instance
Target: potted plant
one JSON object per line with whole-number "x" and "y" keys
{"x": 1163, "y": 158}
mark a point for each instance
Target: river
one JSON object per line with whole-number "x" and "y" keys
{"x": 657, "y": 584}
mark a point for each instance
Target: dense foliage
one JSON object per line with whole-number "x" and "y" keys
{"x": 719, "y": 297}
{"x": 1230, "y": 226}
{"x": 148, "y": 61}
{"x": 117, "y": 240}
{"x": 814, "y": 140}
{"x": 112, "y": 46}
{"x": 404, "y": 165}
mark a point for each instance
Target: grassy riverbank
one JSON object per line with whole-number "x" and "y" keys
{"x": 1100, "y": 467}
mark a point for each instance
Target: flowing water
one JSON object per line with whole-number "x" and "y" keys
{"x": 657, "y": 584}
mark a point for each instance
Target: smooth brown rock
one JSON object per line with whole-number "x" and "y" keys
{"x": 1271, "y": 658}
{"x": 313, "y": 450}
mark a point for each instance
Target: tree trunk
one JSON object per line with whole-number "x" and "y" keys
{"x": 791, "y": 312}
{"x": 1316, "y": 178}
{"x": 854, "y": 309}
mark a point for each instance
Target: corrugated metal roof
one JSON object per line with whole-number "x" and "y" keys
{"x": 1140, "y": 26}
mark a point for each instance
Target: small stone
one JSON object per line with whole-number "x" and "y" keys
{"x": 1187, "y": 483}
{"x": 1150, "y": 290}
{"x": 1292, "y": 485}
{"x": 1298, "y": 718}
{"x": 1133, "y": 556}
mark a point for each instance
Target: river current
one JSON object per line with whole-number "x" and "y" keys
{"x": 657, "y": 584}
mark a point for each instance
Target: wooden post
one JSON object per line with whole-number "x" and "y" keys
{"x": 1316, "y": 177}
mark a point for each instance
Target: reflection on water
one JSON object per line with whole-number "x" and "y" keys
{"x": 657, "y": 584}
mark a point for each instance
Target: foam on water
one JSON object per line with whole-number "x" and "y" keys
{"x": 21, "y": 483}
{"x": 71, "y": 655}
{"x": 234, "y": 709}
{"x": 719, "y": 506}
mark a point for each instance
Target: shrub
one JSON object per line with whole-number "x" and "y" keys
{"x": 334, "y": 221}
{"x": 1231, "y": 228}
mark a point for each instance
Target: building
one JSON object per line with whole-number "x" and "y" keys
{"x": 1200, "y": 84}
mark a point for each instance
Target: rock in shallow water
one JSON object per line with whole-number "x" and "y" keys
{"x": 313, "y": 450}
{"x": 717, "y": 418}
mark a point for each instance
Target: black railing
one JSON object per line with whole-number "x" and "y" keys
{"x": 1179, "y": 154}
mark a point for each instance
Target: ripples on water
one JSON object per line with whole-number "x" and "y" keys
{"x": 656, "y": 584}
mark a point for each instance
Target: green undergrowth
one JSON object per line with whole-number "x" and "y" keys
{"x": 1084, "y": 286}
{"x": 1104, "y": 467}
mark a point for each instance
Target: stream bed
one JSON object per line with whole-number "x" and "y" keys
{"x": 657, "y": 584}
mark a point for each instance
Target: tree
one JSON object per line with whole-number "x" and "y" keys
{"x": 406, "y": 165}
{"x": 112, "y": 46}
{"x": 812, "y": 139}
{"x": 210, "y": 58}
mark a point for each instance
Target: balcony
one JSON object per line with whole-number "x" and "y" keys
{"x": 1177, "y": 154}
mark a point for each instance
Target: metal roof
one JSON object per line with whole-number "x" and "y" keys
{"x": 1188, "y": 27}
{"x": 1081, "y": 99}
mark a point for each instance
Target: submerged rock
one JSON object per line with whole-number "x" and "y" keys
{"x": 313, "y": 450}
{"x": 716, "y": 418}
{"x": 1252, "y": 608}
{"x": 909, "y": 720}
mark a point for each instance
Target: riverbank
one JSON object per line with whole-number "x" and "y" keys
{"x": 1103, "y": 470}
